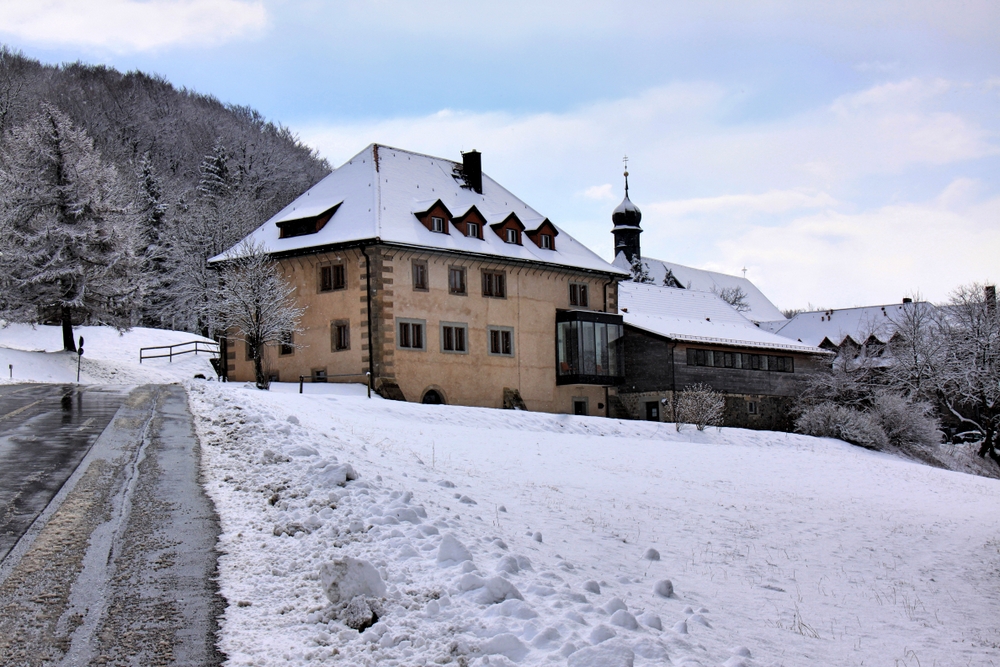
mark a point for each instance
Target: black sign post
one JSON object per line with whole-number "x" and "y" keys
{"x": 79, "y": 357}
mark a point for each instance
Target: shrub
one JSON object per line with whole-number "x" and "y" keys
{"x": 700, "y": 405}
{"x": 906, "y": 423}
{"x": 829, "y": 420}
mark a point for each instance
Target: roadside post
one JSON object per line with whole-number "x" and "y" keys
{"x": 79, "y": 358}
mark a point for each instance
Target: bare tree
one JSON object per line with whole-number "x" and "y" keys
{"x": 968, "y": 377}
{"x": 700, "y": 405}
{"x": 257, "y": 305}
{"x": 735, "y": 296}
{"x": 67, "y": 232}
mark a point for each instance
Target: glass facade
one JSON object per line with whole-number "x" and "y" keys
{"x": 589, "y": 348}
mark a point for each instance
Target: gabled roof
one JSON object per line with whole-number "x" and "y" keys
{"x": 860, "y": 325}
{"x": 382, "y": 188}
{"x": 696, "y": 317}
{"x": 761, "y": 308}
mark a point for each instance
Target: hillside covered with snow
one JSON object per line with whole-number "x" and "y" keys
{"x": 507, "y": 537}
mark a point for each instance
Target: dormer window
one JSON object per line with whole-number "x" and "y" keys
{"x": 435, "y": 218}
{"x": 472, "y": 229}
{"x": 437, "y": 224}
{"x": 512, "y": 236}
{"x": 544, "y": 236}
{"x": 546, "y": 242}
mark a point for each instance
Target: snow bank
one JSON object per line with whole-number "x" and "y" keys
{"x": 109, "y": 357}
{"x": 773, "y": 548}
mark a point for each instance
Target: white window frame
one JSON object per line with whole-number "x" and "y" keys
{"x": 437, "y": 224}
{"x": 472, "y": 229}
{"x": 511, "y": 236}
{"x": 464, "y": 327}
{"x": 546, "y": 241}
{"x": 501, "y": 331}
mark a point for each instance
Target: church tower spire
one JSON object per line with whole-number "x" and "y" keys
{"x": 626, "y": 228}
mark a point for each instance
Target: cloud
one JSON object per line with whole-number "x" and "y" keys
{"x": 131, "y": 25}
{"x": 599, "y": 192}
{"x": 773, "y": 201}
{"x": 875, "y": 256}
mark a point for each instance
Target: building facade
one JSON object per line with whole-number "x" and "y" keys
{"x": 429, "y": 280}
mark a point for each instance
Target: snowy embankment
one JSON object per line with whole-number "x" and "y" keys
{"x": 509, "y": 537}
{"x": 36, "y": 355}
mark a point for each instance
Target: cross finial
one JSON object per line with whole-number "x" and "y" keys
{"x": 744, "y": 272}
{"x": 625, "y": 161}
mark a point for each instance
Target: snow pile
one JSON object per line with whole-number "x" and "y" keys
{"x": 364, "y": 532}
{"x": 36, "y": 355}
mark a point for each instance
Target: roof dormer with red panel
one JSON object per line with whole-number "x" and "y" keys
{"x": 510, "y": 229}
{"x": 544, "y": 236}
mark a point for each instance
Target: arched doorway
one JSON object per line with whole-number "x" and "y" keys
{"x": 432, "y": 397}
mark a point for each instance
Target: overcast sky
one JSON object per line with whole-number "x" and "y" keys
{"x": 844, "y": 152}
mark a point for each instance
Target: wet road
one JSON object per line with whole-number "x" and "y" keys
{"x": 119, "y": 567}
{"x": 45, "y": 431}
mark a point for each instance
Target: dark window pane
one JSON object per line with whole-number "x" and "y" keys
{"x": 339, "y": 276}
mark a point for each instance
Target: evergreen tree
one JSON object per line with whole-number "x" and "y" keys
{"x": 66, "y": 230}
{"x": 640, "y": 273}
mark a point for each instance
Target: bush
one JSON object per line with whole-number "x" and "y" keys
{"x": 906, "y": 423}
{"x": 699, "y": 405}
{"x": 828, "y": 420}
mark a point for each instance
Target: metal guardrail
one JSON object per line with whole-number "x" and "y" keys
{"x": 198, "y": 346}
{"x": 322, "y": 379}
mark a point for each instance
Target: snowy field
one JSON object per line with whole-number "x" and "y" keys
{"x": 521, "y": 538}
{"x": 36, "y": 354}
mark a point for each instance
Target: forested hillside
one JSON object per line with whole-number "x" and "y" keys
{"x": 166, "y": 177}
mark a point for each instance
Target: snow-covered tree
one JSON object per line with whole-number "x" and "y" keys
{"x": 700, "y": 405}
{"x": 257, "y": 305}
{"x": 669, "y": 279}
{"x": 639, "y": 271}
{"x": 968, "y": 376}
{"x": 735, "y": 296}
{"x": 67, "y": 229}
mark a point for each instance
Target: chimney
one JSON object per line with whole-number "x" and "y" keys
{"x": 991, "y": 298}
{"x": 907, "y": 299}
{"x": 472, "y": 169}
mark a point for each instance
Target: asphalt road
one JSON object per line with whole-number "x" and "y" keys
{"x": 45, "y": 431}
{"x": 114, "y": 557}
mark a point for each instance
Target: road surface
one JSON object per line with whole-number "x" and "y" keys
{"x": 110, "y": 540}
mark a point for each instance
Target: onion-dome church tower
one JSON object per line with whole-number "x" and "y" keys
{"x": 626, "y": 229}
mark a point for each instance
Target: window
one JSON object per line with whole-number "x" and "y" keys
{"x": 589, "y": 348}
{"x": 332, "y": 277}
{"x": 752, "y": 407}
{"x": 456, "y": 280}
{"x": 472, "y": 229}
{"x": 340, "y": 335}
{"x": 580, "y": 407}
{"x": 287, "y": 345}
{"x": 454, "y": 337}
{"x": 511, "y": 236}
{"x": 495, "y": 284}
{"x": 545, "y": 241}
{"x": 319, "y": 375}
{"x": 578, "y": 295}
{"x": 501, "y": 341}
{"x": 420, "y": 275}
{"x": 750, "y": 362}
{"x": 437, "y": 224}
{"x": 410, "y": 334}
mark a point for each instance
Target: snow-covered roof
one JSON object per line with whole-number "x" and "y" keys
{"x": 696, "y": 317}
{"x": 761, "y": 309}
{"x": 859, "y": 324}
{"x": 380, "y": 190}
